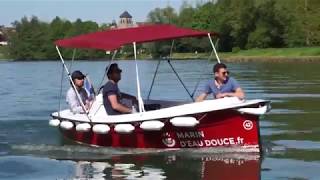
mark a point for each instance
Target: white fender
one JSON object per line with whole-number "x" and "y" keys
{"x": 101, "y": 129}
{"x": 83, "y": 127}
{"x": 54, "y": 122}
{"x": 184, "y": 121}
{"x": 67, "y": 125}
{"x": 255, "y": 111}
{"x": 124, "y": 128}
{"x": 152, "y": 125}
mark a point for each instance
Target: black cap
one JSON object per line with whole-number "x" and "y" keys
{"x": 113, "y": 68}
{"x": 77, "y": 75}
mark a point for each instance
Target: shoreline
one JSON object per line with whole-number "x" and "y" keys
{"x": 232, "y": 59}
{"x": 271, "y": 59}
{"x": 303, "y": 54}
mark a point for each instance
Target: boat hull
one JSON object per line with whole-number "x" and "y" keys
{"x": 225, "y": 128}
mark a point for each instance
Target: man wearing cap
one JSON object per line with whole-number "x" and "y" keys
{"x": 112, "y": 95}
{"x": 222, "y": 85}
{"x": 71, "y": 97}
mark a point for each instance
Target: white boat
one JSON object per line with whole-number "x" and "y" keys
{"x": 226, "y": 122}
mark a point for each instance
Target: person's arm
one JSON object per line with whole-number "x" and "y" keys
{"x": 204, "y": 94}
{"x": 238, "y": 93}
{"x": 128, "y": 96}
{"x": 73, "y": 102}
{"x": 88, "y": 101}
{"x": 201, "y": 97}
{"x": 117, "y": 106}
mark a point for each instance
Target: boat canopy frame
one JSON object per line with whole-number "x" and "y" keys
{"x": 179, "y": 33}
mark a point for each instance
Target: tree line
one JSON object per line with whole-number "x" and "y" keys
{"x": 246, "y": 24}
{"x": 241, "y": 24}
{"x": 33, "y": 39}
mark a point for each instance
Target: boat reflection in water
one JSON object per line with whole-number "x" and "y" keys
{"x": 207, "y": 167}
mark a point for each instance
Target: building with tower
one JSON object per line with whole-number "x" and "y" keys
{"x": 126, "y": 21}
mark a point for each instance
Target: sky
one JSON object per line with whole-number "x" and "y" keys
{"x": 100, "y": 11}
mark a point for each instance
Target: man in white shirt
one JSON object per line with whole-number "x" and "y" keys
{"x": 71, "y": 97}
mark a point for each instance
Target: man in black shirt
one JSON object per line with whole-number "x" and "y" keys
{"x": 112, "y": 95}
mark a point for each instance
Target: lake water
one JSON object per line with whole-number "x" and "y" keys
{"x": 30, "y": 149}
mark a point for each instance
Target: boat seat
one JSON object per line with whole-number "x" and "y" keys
{"x": 150, "y": 107}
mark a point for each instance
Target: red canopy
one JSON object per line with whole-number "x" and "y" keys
{"x": 115, "y": 38}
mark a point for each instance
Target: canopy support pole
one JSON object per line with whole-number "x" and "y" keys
{"x": 175, "y": 72}
{"x": 198, "y": 82}
{"x": 140, "y": 101}
{"x": 72, "y": 83}
{"x": 60, "y": 93}
{"x": 61, "y": 82}
{"x": 73, "y": 56}
{"x": 184, "y": 86}
{"x": 153, "y": 79}
{"x": 214, "y": 49}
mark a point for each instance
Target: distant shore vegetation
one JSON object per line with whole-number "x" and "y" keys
{"x": 242, "y": 25}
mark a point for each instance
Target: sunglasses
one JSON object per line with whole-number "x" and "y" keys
{"x": 80, "y": 78}
{"x": 118, "y": 71}
{"x": 225, "y": 73}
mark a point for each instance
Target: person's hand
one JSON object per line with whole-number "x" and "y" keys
{"x": 133, "y": 110}
{"x": 221, "y": 95}
{"x": 87, "y": 105}
{"x": 135, "y": 101}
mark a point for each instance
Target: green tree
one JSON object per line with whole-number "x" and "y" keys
{"x": 82, "y": 27}
{"x": 241, "y": 24}
{"x": 165, "y": 15}
{"x": 215, "y": 17}
{"x": 269, "y": 27}
{"x": 185, "y": 19}
{"x": 304, "y": 27}
{"x": 28, "y": 40}
{"x": 241, "y": 18}
{"x": 161, "y": 16}
{"x": 34, "y": 39}
{"x": 58, "y": 30}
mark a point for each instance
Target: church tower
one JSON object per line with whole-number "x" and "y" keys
{"x": 125, "y": 20}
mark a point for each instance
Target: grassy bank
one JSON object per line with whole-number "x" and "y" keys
{"x": 278, "y": 52}
{"x": 274, "y": 54}
{"x": 270, "y": 54}
{"x": 3, "y": 53}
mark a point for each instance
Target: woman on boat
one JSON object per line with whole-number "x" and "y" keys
{"x": 222, "y": 85}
